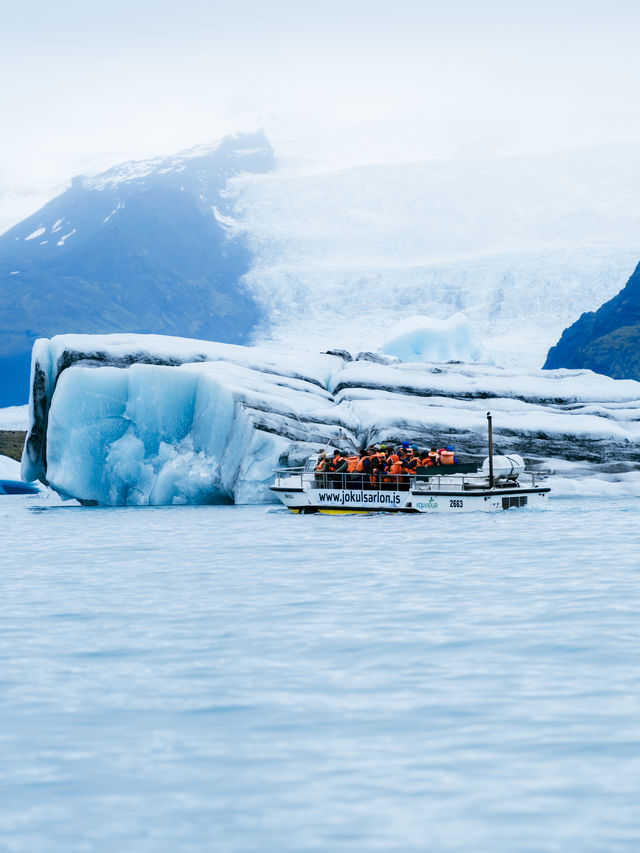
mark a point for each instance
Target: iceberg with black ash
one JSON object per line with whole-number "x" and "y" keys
{"x": 135, "y": 419}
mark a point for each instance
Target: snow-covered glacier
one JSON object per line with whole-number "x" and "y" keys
{"x": 522, "y": 245}
{"x": 136, "y": 419}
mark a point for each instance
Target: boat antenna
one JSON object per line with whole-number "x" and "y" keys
{"x": 490, "y": 431}
{"x": 343, "y": 436}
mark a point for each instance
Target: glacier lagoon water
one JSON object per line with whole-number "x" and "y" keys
{"x": 243, "y": 679}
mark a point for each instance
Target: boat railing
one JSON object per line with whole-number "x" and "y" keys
{"x": 289, "y": 478}
{"x": 299, "y": 478}
{"x": 476, "y": 481}
{"x": 360, "y": 482}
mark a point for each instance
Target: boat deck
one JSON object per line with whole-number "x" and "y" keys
{"x": 442, "y": 477}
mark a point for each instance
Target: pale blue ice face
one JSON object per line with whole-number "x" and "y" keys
{"x": 244, "y": 679}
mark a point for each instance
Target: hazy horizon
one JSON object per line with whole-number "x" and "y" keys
{"x": 334, "y": 86}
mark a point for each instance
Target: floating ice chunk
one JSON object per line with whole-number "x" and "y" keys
{"x": 209, "y": 432}
{"x": 57, "y": 225}
{"x": 426, "y": 339}
{"x": 36, "y": 233}
{"x": 141, "y": 419}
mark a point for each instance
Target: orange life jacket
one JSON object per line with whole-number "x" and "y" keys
{"x": 333, "y": 463}
{"x": 446, "y": 457}
{"x": 320, "y": 465}
{"x": 410, "y": 464}
{"x": 396, "y": 466}
{"x": 433, "y": 456}
{"x": 352, "y": 464}
{"x": 360, "y": 465}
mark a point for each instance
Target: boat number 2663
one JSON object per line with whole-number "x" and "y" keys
{"x": 456, "y": 503}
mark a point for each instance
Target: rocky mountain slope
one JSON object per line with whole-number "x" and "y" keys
{"x": 607, "y": 340}
{"x": 144, "y": 247}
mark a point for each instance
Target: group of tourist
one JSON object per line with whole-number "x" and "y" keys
{"x": 384, "y": 462}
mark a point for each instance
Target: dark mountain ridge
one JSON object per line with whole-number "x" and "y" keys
{"x": 144, "y": 247}
{"x": 606, "y": 341}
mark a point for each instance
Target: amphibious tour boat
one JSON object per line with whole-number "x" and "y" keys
{"x": 501, "y": 483}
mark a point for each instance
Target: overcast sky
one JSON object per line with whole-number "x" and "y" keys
{"x": 87, "y": 84}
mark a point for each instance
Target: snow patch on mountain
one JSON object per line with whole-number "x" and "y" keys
{"x": 134, "y": 170}
{"x": 118, "y": 207}
{"x": 37, "y": 233}
{"x": 62, "y": 240}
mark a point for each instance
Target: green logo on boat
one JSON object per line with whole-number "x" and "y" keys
{"x": 432, "y": 503}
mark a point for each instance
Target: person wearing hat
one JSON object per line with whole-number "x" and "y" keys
{"x": 364, "y": 466}
{"x": 409, "y": 461}
{"x": 338, "y": 464}
{"x": 377, "y": 458}
{"x": 322, "y": 461}
{"x": 339, "y": 461}
{"x": 321, "y": 468}
{"x": 388, "y": 453}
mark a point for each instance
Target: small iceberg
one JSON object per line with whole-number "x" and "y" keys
{"x": 426, "y": 339}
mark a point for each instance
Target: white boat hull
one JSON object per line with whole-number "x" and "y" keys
{"x": 300, "y": 493}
